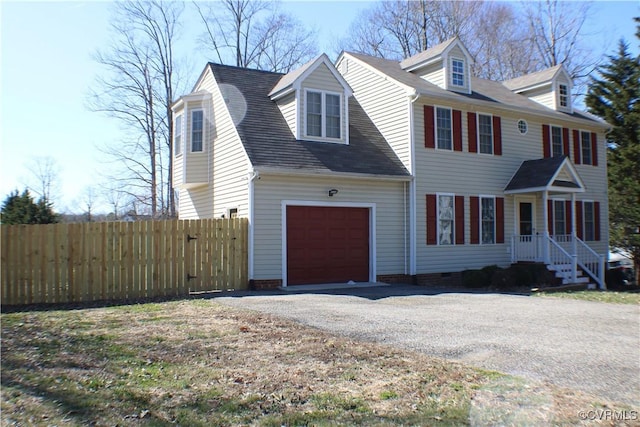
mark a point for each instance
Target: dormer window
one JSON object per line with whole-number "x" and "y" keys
{"x": 457, "y": 72}
{"x": 563, "y": 91}
{"x": 323, "y": 118}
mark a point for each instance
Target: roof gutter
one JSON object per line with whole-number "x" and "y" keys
{"x": 266, "y": 170}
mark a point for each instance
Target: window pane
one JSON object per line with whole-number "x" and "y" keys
{"x": 564, "y": 96}
{"x": 314, "y": 114}
{"x": 586, "y": 147}
{"x": 457, "y": 72}
{"x": 485, "y": 134}
{"x": 196, "y": 130}
{"x": 443, "y": 123}
{"x": 488, "y": 220}
{"x": 177, "y": 136}
{"x": 556, "y": 141}
{"x": 332, "y": 116}
{"x": 589, "y": 222}
{"x": 445, "y": 219}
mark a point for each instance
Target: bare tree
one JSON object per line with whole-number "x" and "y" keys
{"x": 253, "y": 33}
{"x": 556, "y": 30}
{"x": 44, "y": 179}
{"x": 138, "y": 89}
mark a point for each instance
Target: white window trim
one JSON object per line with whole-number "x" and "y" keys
{"x": 551, "y": 126}
{"x": 564, "y": 217}
{"x": 178, "y": 117}
{"x": 580, "y": 132}
{"x": 464, "y": 72}
{"x": 323, "y": 112}
{"x": 478, "y": 114}
{"x": 435, "y": 126}
{"x": 568, "y": 106}
{"x": 526, "y": 124}
{"x": 486, "y": 196}
{"x": 204, "y": 145}
{"x": 453, "y": 226}
{"x": 584, "y": 220}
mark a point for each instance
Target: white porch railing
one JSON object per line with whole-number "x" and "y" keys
{"x": 559, "y": 250}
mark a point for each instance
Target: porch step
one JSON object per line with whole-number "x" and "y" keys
{"x": 563, "y": 272}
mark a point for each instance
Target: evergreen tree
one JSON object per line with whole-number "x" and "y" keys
{"x": 22, "y": 209}
{"x": 615, "y": 96}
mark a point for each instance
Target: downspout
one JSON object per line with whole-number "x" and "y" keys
{"x": 413, "y": 97}
{"x": 253, "y": 175}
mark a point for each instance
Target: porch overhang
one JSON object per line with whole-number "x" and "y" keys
{"x": 550, "y": 175}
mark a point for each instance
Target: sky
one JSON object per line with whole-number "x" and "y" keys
{"x": 47, "y": 70}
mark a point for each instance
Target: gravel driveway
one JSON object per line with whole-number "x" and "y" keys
{"x": 589, "y": 346}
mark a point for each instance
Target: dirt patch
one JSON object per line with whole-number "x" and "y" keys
{"x": 199, "y": 363}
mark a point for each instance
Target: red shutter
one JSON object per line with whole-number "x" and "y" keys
{"x": 566, "y": 146}
{"x": 596, "y": 220}
{"x": 576, "y": 147}
{"x": 473, "y": 133}
{"x": 457, "y": 130}
{"x": 429, "y": 127}
{"x": 459, "y": 220}
{"x": 567, "y": 217}
{"x": 546, "y": 141}
{"x": 475, "y": 220}
{"x": 550, "y": 216}
{"x": 594, "y": 149}
{"x": 499, "y": 219}
{"x": 497, "y": 136}
{"x": 431, "y": 220}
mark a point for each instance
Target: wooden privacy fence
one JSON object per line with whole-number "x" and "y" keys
{"x": 68, "y": 263}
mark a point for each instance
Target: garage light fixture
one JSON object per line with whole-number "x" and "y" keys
{"x": 333, "y": 192}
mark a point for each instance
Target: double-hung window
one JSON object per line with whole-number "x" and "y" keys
{"x": 485, "y": 133}
{"x": 445, "y": 219}
{"x": 177, "y": 136}
{"x": 457, "y": 72}
{"x": 563, "y": 95}
{"x": 589, "y": 223}
{"x": 488, "y": 218}
{"x": 559, "y": 218}
{"x": 585, "y": 147}
{"x": 197, "y": 130}
{"x": 323, "y": 115}
{"x": 444, "y": 132}
{"x": 556, "y": 141}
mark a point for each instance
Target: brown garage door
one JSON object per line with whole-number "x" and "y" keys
{"x": 327, "y": 244}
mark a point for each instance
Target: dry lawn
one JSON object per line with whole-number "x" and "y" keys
{"x": 195, "y": 362}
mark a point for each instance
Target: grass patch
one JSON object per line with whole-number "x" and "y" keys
{"x": 611, "y": 297}
{"x": 198, "y": 363}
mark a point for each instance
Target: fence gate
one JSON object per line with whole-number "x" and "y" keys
{"x": 65, "y": 263}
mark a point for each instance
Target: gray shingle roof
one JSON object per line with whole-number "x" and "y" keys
{"x": 269, "y": 142}
{"x": 532, "y": 79}
{"x": 483, "y": 90}
{"x": 427, "y": 55}
{"x": 537, "y": 174}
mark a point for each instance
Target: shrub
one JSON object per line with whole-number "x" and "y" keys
{"x": 475, "y": 279}
{"x": 504, "y": 280}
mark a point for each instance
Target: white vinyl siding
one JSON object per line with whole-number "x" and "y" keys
{"x": 386, "y": 104}
{"x": 287, "y": 106}
{"x": 434, "y": 74}
{"x": 390, "y": 226}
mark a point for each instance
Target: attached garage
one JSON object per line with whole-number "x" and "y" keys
{"x": 327, "y": 244}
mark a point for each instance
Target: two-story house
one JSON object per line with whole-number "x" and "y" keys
{"x": 378, "y": 170}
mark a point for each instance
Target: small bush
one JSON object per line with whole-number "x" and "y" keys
{"x": 504, "y": 280}
{"x": 475, "y": 279}
{"x": 615, "y": 279}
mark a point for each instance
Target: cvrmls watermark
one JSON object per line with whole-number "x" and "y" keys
{"x": 608, "y": 415}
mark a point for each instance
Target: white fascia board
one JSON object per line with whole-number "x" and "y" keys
{"x": 329, "y": 174}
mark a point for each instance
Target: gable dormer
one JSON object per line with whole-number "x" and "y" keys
{"x": 314, "y": 101}
{"x": 447, "y": 65}
{"x": 551, "y": 88}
